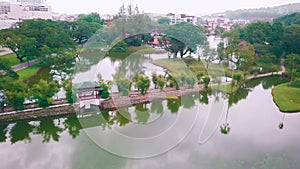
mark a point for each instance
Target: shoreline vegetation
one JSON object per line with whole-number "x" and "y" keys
{"x": 132, "y": 99}
{"x": 62, "y": 108}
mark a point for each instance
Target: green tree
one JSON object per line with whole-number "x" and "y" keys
{"x": 154, "y": 79}
{"x": 43, "y": 91}
{"x": 81, "y": 30}
{"x": 15, "y": 92}
{"x": 238, "y": 77}
{"x": 290, "y": 19}
{"x": 221, "y": 52}
{"x": 292, "y": 63}
{"x": 161, "y": 82}
{"x": 184, "y": 38}
{"x": 246, "y": 57}
{"x": 164, "y": 20}
{"x": 105, "y": 85}
{"x": 291, "y": 40}
{"x": 120, "y": 47}
{"x": 67, "y": 85}
{"x": 6, "y": 71}
{"x": 206, "y": 81}
{"x": 21, "y": 45}
{"x": 123, "y": 83}
{"x": 92, "y": 18}
{"x": 191, "y": 81}
{"x": 143, "y": 84}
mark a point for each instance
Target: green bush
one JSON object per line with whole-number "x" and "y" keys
{"x": 295, "y": 83}
{"x": 120, "y": 47}
{"x": 105, "y": 94}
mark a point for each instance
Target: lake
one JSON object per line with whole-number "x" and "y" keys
{"x": 254, "y": 140}
{"x": 208, "y": 130}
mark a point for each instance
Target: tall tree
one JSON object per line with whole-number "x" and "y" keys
{"x": 221, "y": 52}
{"x": 15, "y": 92}
{"x": 184, "y": 38}
{"x": 43, "y": 91}
{"x": 123, "y": 83}
{"x": 143, "y": 84}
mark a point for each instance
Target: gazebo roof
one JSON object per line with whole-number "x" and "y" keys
{"x": 88, "y": 86}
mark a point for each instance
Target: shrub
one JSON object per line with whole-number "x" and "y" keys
{"x": 295, "y": 83}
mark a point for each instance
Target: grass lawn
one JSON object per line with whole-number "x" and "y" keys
{"x": 287, "y": 98}
{"x": 132, "y": 50}
{"x": 95, "y": 46}
{"x": 176, "y": 66}
{"x": 28, "y": 72}
{"x": 11, "y": 59}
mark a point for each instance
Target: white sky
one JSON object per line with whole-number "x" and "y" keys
{"x": 161, "y": 6}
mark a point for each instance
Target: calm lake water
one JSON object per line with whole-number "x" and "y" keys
{"x": 254, "y": 139}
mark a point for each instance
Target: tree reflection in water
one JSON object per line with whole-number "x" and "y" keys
{"x": 157, "y": 107}
{"x": 281, "y": 125}
{"x": 225, "y": 128}
{"x": 3, "y": 131}
{"x": 142, "y": 113}
{"x": 188, "y": 101}
{"x": 173, "y": 105}
{"x": 20, "y": 132}
{"x": 48, "y": 130}
{"x": 122, "y": 117}
{"x": 73, "y": 126}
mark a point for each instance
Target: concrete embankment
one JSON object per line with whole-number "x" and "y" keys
{"x": 36, "y": 113}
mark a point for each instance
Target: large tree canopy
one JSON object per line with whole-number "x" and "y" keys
{"x": 183, "y": 38}
{"x": 35, "y": 38}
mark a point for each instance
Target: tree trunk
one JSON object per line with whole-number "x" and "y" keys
{"x": 19, "y": 58}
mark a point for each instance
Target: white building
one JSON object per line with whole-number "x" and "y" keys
{"x": 178, "y": 18}
{"x": 25, "y": 9}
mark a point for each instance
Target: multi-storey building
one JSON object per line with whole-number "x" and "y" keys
{"x": 18, "y": 10}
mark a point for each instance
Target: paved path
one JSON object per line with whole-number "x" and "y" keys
{"x": 19, "y": 66}
{"x": 25, "y": 65}
{"x": 5, "y": 52}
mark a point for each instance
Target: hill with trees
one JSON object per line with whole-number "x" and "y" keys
{"x": 266, "y": 14}
{"x": 291, "y": 19}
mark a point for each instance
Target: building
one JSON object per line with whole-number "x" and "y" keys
{"x": 25, "y": 9}
{"x": 178, "y": 18}
{"x": 4, "y": 8}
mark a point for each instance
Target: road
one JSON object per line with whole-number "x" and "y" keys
{"x": 24, "y": 65}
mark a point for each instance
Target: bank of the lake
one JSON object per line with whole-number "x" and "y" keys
{"x": 115, "y": 101}
{"x": 287, "y": 98}
{"x": 37, "y": 113}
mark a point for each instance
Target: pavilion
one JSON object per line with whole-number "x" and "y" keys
{"x": 88, "y": 90}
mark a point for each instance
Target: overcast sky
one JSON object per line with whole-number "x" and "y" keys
{"x": 161, "y": 6}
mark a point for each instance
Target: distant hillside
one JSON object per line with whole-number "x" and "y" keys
{"x": 266, "y": 14}
{"x": 290, "y": 19}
